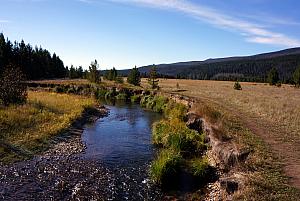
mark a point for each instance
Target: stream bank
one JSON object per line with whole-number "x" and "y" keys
{"x": 222, "y": 155}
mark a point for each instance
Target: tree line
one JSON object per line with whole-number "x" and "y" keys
{"x": 34, "y": 62}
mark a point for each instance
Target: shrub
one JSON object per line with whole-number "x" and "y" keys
{"x": 296, "y": 77}
{"x": 175, "y": 110}
{"x": 145, "y": 100}
{"x": 199, "y": 167}
{"x": 135, "y": 98}
{"x": 58, "y": 89}
{"x": 100, "y": 93}
{"x": 160, "y": 103}
{"x": 13, "y": 90}
{"x": 237, "y": 86}
{"x": 273, "y": 76}
{"x": 121, "y": 96}
{"x": 71, "y": 91}
{"x": 166, "y": 165}
{"x": 155, "y": 103}
{"x": 278, "y": 84}
{"x": 176, "y": 135}
{"x": 111, "y": 93}
{"x": 119, "y": 80}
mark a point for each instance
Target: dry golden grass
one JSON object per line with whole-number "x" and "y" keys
{"x": 276, "y": 105}
{"x": 63, "y": 81}
{"x": 28, "y": 127}
{"x": 263, "y": 117}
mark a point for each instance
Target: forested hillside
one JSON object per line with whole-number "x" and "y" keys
{"x": 251, "y": 68}
{"x": 35, "y": 63}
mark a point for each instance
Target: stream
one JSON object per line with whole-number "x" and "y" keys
{"x": 105, "y": 160}
{"x": 122, "y": 143}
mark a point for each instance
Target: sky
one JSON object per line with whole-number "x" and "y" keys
{"x": 128, "y": 33}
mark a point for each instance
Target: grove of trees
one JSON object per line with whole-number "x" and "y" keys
{"x": 34, "y": 62}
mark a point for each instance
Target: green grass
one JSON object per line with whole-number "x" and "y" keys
{"x": 199, "y": 167}
{"x": 175, "y": 134}
{"x": 29, "y": 127}
{"x": 176, "y": 111}
{"x": 135, "y": 98}
{"x": 176, "y": 141}
{"x": 100, "y": 93}
{"x": 155, "y": 103}
{"x": 166, "y": 165}
{"x": 121, "y": 96}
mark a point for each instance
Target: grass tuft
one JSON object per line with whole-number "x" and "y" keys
{"x": 166, "y": 165}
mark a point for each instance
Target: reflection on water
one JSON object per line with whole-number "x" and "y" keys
{"x": 123, "y": 138}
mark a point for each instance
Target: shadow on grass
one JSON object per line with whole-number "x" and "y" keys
{"x": 185, "y": 182}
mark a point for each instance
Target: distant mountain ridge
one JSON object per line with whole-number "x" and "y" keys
{"x": 244, "y": 68}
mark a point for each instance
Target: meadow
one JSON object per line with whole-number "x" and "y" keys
{"x": 264, "y": 118}
{"x": 28, "y": 128}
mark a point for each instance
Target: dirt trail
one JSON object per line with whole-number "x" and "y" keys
{"x": 286, "y": 148}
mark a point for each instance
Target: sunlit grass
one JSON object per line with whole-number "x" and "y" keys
{"x": 30, "y": 126}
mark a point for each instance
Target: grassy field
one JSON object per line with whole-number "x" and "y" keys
{"x": 27, "y": 128}
{"x": 276, "y": 105}
{"x": 263, "y": 117}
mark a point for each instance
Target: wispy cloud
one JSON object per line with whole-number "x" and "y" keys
{"x": 253, "y": 32}
{"x": 4, "y": 21}
{"x": 86, "y": 1}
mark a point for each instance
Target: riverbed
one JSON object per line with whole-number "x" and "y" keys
{"x": 105, "y": 160}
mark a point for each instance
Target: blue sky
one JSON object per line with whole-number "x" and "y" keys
{"x": 124, "y": 33}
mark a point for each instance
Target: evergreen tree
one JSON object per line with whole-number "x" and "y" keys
{"x": 72, "y": 72}
{"x": 296, "y": 77}
{"x": 152, "y": 79}
{"x": 80, "y": 72}
{"x": 35, "y": 63}
{"x": 237, "y": 86}
{"x": 112, "y": 74}
{"x": 94, "y": 74}
{"x": 134, "y": 77}
{"x": 273, "y": 76}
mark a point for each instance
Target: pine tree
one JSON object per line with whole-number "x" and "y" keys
{"x": 72, "y": 72}
{"x": 152, "y": 79}
{"x": 296, "y": 77}
{"x": 134, "y": 77}
{"x": 94, "y": 74}
{"x": 80, "y": 72}
{"x": 273, "y": 76}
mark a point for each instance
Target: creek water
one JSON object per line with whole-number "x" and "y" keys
{"x": 122, "y": 142}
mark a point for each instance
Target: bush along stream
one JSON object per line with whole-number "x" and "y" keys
{"x": 181, "y": 166}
